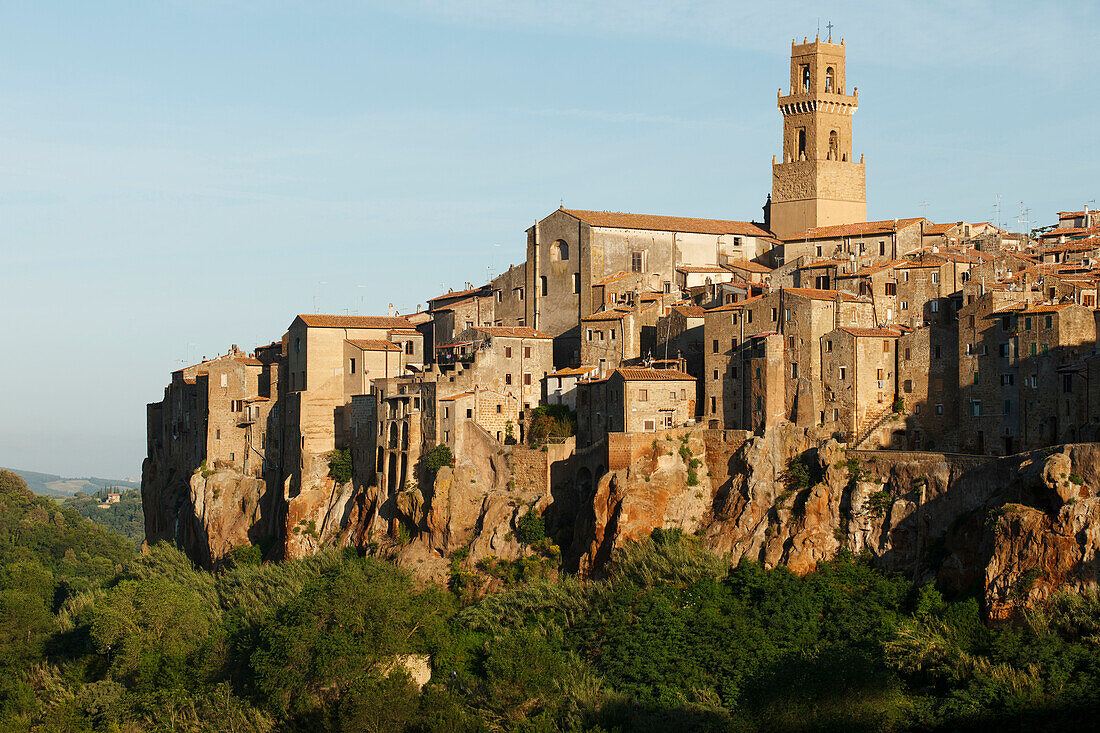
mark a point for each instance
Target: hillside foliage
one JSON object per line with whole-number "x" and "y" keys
{"x": 98, "y": 638}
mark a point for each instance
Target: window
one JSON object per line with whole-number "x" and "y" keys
{"x": 935, "y": 277}
{"x": 1031, "y": 349}
{"x": 1067, "y": 383}
{"x": 882, "y": 248}
{"x": 905, "y": 305}
{"x": 1004, "y": 350}
{"x": 353, "y": 366}
{"x": 891, "y": 288}
{"x": 879, "y": 375}
{"x": 543, "y": 285}
{"x": 934, "y": 306}
{"x": 713, "y": 404}
{"x": 935, "y": 352}
{"x": 715, "y": 374}
{"x": 715, "y": 346}
{"x": 297, "y": 346}
{"x": 829, "y": 79}
{"x": 517, "y": 293}
{"x": 1048, "y": 321}
{"x": 733, "y": 372}
{"x": 805, "y": 77}
{"x": 907, "y": 385}
{"x": 786, "y": 315}
{"x": 446, "y": 412}
{"x": 905, "y": 276}
{"x": 224, "y": 380}
{"x": 1027, "y": 323}
{"x": 499, "y": 409}
{"x": 828, "y": 346}
{"x": 749, "y": 319}
{"x": 886, "y": 346}
{"x": 559, "y": 251}
{"x": 217, "y": 435}
{"x": 635, "y": 261}
{"x": 907, "y": 357}
{"x": 590, "y": 334}
{"x": 612, "y": 334}
{"x": 527, "y": 351}
{"x": 1008, "y": 407}
{"x": 1006, "y": 322}
{"x": 975, "y": 408}
{"x": 469, "y": 414}
{"x": 794, "y": 370}
{"x": 1007, "y": 380}
{"x": 507, "y": 352}
{"x": 843, "y": 372}
{"x": 232, "y": 457}
{"x": 507, "y": 378}
{"x": 775, "y": 314}
{"x": 469, "y": 325}
{"x": 1044, "y": 349}
{"x": 648, "y": 425}
{"x": 643, "y": 395}
{"x": 576, "y": 283}
{"x": 672, "y": 395}
{"x": 939, "y": 409}
{"x": 527, "y": 379}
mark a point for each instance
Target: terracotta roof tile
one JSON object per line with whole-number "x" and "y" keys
{"x": 689, "y": 311}
{"x": 816, "y": 294}
{"x": 458, "y": 293}
{"x": 610, "y": 315}
{"x": 613, "y": 278}
{"x": 690, "y": 269}
{"x": 632, "y": 374}
{"x": 887, "y": 226}
{"x": 617, "y": 220}
{"x": 316, "y": 320}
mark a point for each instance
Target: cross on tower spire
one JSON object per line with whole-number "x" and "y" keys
{"x": 829, "y": 25}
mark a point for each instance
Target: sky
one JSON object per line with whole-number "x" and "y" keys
{"x": 180, "y": 176}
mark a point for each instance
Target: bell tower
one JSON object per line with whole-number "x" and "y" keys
{"x": 817, "y": 183}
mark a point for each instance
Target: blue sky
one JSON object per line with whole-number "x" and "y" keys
{"x": 179, "y": 176}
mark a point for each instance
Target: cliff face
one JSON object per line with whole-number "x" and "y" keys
{"x": 1018, "y": 527}
{"x": 1021, "y": 526}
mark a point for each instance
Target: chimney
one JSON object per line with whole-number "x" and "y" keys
{"x": 391, "y": 309}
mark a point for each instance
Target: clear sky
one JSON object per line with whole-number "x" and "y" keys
{"x": 176, "y": 177}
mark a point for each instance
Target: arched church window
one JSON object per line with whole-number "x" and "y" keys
{"x": 834, "y": 145}
{"x": 802, "y": 143}
{"x": 559, "y": 251}
{"x": 805, "y": 78}
{"x": 829, "y": 79}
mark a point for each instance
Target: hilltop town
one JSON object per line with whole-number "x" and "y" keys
{"x": 555, "y": 386}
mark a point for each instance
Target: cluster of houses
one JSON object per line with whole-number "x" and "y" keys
{"x": 900, "y": 333}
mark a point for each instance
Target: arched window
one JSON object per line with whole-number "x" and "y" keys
{"x": 805, "y": 78}
{"x": 829, "y": 79}
{"x": 834, "y": 145}
{"x": 543, "y": 285}
{"x": 801, "y": 143}
{"x": 559, "y": 251}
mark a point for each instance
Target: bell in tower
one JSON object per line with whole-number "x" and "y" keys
{"x": 817, "y": 182}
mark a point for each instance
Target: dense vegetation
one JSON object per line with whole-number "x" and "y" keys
{"x": 125, "y": 518}
{"x": 96, "y": 638}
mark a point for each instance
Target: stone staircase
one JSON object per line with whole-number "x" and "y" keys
{"x": 871, "y": 424}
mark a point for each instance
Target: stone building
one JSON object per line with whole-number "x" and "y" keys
{"x": 633, "y": 400}
{"x": 859, "y": 370}
{"x": 571, "y": 254}
{"x": 928, "y": 384}
{"x": 818, "y": 181}
{"x": 857, "y": 244}
{"x": 560, "y": 388}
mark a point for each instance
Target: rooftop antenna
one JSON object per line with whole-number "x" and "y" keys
{"x": 359, "y": 300}
{"x": 924, "y": 205}
{"x": 317, "y": 294}
{"x": 997, "y": 211}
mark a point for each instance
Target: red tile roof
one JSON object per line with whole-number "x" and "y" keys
{"x": 373, "y": 344}
{"x": 816, "y": 294}
{"x": 614, "y": 278}
{"x": 636, "y": 374}
{"x": 736, "y": 306}
{"x": 610, "y": 315}
{"x": 458, "y": 293}
{"x": 572, "y": 372}
{"x": 617, "y": 220}
{"x": 863, "y": 228}
{"x": 941, "y": 228}
{"x": 1046, "y": 308}
{"x": 689, "y": 311}
{"x": 316, "y": 320}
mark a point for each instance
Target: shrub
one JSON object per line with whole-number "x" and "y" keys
{"x": 879, "y": 502}
{"x": 244, "y": 555}
{"x": 530, "y": 528}
{"x": 551, "y": 421}
{"x": 339, "y": 465}
{"x": 437, "y": 458}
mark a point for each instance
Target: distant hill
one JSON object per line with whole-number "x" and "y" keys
{"x": 48, "y": 484}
